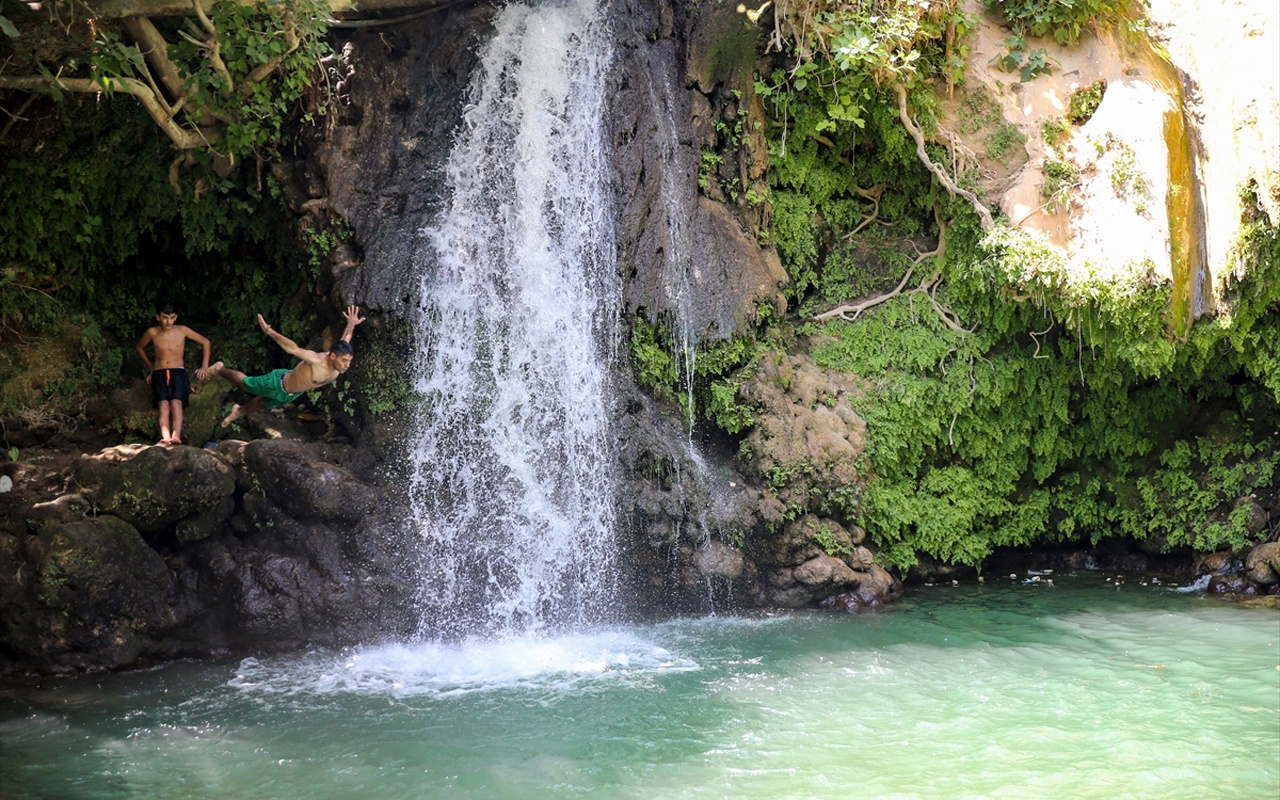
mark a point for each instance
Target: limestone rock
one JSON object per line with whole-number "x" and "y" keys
{"x": 806, "y": 427}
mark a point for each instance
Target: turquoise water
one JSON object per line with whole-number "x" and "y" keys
{"x": 1073, "y": 690}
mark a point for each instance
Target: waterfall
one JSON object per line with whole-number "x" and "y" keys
{"x": 512, "y": 481}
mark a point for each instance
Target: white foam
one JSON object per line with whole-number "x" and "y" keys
{"x": 446, "y": 669}
{"x": 1200, "y": 585}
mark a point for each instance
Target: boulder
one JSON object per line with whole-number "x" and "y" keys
{"x": 718, "y": 560}
{"x": 876, "y": 587}
{"x": 152, "y": 488}
{"x": 1262, "y": 565}
{"x": 98, "y": 594}
{"x": 297, "y": 477}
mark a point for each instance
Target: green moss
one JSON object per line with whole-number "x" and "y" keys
{"x": 1084, "y": 102}
{"x": 652, "y": 362}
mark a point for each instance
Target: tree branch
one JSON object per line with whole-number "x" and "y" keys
{"x": 156, "y": 50}
{"x": 271, "y": 65}
{"x": 947, "y": 183}
{"x": 184, "y": 138}
{"x": 925, "y": 285}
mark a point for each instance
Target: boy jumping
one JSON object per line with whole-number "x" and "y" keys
{"x": 169, "y": 381}
{"x": 283, "y": 386}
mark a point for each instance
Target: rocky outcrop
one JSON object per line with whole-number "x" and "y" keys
{"x": 695, "y": 258}
{"x": 376, "y": 172}
{"x": 705, "y": 536}
{"x": 151, "y": 553}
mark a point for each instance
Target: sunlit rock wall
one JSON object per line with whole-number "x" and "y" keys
{"x": 1189, "y": 117}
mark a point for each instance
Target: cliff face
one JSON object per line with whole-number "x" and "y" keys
{"x": 1158, "y": 129}
{"x": 137, "y": 554}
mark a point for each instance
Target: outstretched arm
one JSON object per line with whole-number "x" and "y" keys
{"x": 288, "y": 345}
{"x": 353, "y": 319}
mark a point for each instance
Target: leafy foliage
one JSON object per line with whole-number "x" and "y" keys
{"x": 1060, "y": 176}
{"x": 1084, "y": 102}
{"x": 1065, "y": 20}
{"x": 93, "y": 236}
{"x": 225, "y": 79}
{"x": 1028, "y": 431}
{"x": 1067, "y": 414}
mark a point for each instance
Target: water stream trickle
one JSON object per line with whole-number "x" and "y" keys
{"x": 513, "y": 483}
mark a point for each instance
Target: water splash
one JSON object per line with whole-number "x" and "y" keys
{"x": 513, "y": 483}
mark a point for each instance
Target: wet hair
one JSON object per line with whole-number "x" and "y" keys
{"x": 166, "y": 308}
{"x": 341, "y": 348}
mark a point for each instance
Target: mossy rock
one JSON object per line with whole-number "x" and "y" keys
{"x": 200, "y": 419}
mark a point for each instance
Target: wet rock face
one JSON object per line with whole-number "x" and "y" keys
{"x": 702, "y": 538}
{"x": 160, "y": 552}
{"x": 686, "y": 255}
{"x": 377, "y": 169}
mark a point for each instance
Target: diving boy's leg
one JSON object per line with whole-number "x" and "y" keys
{"x": 165, "y": 434}
{"x": 238, "y": 411}
{"x": 226, "y": 373}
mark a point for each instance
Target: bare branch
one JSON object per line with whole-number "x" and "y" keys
{"x": 206, "y": 38}
{"x": 184, "y": 138}
{"x": 947, "y": 183}
{"x": 156, "y": 50}
{"x": 856, "y": 309}
{"x": 873, "y": 194}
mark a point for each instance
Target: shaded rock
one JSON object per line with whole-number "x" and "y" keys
{"x": 876, "y": 588}
{"x": 1256, "y": 517}
{"x": 1232, "y": 583}
{"x": 298, "y": 479}
{"x": 808, "y": 536}
{"x": 207, "y": 523}
{"x": 98, "y": 594}
{"x": 131, "y": 409}
{"x": 152, "y": 488}
{"x": 65, "y": 508}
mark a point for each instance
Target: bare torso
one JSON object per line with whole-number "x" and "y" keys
{"x": 307, "y": 376}
{"x": 169, "y": 345}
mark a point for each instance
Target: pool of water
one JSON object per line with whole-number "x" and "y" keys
{"x": 1075, "y": 689}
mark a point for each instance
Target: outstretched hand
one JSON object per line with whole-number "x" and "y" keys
{"x": 262, "y": 323}
{"x": 352, "y": 316}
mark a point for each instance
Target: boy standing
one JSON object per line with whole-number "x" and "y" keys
{"x": 169, "y": 381}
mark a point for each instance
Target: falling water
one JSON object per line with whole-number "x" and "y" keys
{"x": 513, "y": 484}
{"x": 680, "y": 270}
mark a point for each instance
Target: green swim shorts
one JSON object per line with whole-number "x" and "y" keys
{"x": 270, "y": 388}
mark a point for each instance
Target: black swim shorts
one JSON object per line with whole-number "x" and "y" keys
{"x": 171, "y": 384}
